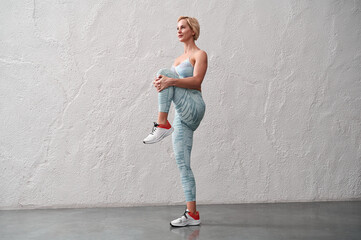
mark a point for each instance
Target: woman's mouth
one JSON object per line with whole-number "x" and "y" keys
{"x": 180, "y": 36}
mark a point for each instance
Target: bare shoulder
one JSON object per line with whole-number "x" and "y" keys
{"x": 200, "y": 56}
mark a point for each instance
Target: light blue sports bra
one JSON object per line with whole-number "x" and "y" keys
{"x": 184, "y": 69}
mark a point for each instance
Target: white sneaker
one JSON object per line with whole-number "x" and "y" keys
{"x": 186, "y": 220}
{"x": 157, "y": 134}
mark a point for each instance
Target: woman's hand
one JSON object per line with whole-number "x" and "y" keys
{"x": 161, "y": 82}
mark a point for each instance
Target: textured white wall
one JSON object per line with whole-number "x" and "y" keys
{"x": 283, "y": 95}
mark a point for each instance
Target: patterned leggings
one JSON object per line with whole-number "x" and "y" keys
{"x": 190, "y": 109}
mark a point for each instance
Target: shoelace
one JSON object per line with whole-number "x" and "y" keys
{"x": 184, "y": 216}
{"x": 154, "y": 128}
{"x": 185, "y": 213}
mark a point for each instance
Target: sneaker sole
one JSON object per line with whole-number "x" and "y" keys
{"x": 166, "y": 134}
{"x": 190, "y": 224}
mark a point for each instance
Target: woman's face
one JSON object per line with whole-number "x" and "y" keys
{"x": 184, "y": 31}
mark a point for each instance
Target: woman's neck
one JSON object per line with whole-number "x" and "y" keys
{"x": 189, "y": 47}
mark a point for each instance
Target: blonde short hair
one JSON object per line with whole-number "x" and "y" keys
{"x": 193, "y": 24}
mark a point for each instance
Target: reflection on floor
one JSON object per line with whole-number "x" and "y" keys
{"x": 318, "y": 220}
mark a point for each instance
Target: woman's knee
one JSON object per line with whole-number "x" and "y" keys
{"x": 166, "y": 72}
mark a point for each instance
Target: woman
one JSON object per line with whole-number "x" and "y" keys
{"x": 182, "y": 85}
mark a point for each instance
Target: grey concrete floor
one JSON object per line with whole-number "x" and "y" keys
{"x": 318, "y": 220}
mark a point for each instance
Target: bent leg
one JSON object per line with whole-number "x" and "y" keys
{"x": 188, "y": 102}
{"x": 190, "y": 106}
{"x": 166, "y": 96}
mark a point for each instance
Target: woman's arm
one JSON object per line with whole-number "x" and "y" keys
{"x": 199, "y": 71}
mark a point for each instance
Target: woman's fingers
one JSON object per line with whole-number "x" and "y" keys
{"x": 157, "y": 83}
{"x": 156, "y": 80}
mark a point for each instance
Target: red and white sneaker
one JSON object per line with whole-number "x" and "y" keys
{"x": 188, "y": 219}
{"x": 159, "y": 132}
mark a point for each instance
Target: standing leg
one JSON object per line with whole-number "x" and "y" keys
{"x": 190, "y": 109}
{"x": 182, "y": 146}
